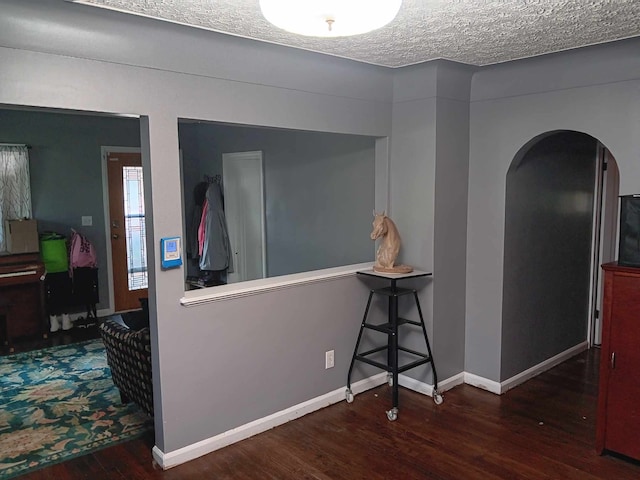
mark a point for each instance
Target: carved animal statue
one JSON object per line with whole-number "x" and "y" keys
{"x": 389, "y": 248}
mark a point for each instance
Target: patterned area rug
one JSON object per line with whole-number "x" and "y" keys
{"x": 59, "y": 403}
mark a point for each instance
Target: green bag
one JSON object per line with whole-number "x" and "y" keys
{"x": 53, "y": 249}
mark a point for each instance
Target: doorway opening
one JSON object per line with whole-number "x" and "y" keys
{"x": 560, "y": 218}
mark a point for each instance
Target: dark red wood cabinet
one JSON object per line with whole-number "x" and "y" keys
{"x": 618, "y": 422}
{"x": 22, "y": 296}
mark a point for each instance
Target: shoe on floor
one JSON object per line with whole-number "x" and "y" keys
{"x": 66, "y": 322}
{"x": 55, "y": 323}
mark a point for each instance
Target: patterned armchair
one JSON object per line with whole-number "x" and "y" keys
{"x": 129, "y": 357}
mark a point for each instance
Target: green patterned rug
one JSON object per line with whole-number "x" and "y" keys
{"x": 59, "y": 403}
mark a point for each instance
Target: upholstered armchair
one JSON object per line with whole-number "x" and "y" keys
{"x": 129, "y": 357}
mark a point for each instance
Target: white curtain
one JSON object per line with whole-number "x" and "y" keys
{"x": 15, "y": 186}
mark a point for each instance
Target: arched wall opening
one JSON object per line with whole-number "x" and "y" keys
{"x": 558, "y": 202}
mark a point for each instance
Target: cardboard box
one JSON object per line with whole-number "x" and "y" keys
{"x": 21, "y": 236}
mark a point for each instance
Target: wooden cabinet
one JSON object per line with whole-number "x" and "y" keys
{"x": 618, "y": 423}
{"x": 22, "y": 295}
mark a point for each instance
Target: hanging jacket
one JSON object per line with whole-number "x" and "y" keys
{"x": 216, "y": 249}
{"x": 202, "y": 229}
{"x": 193, "y": 227}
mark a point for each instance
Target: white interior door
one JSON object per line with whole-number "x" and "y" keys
{"x": 243, "y": 187}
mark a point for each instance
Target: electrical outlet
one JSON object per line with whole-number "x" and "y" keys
{"x": 87, "y": 221}
{"x": 329, "y": 359}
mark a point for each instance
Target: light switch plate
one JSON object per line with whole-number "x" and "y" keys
{"x": 87, "y": 221}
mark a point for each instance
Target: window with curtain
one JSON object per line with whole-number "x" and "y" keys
{"x": 15, "y": 186}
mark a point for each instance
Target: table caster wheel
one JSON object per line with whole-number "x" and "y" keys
{"x": 437, "y": 397}
{"x": 392, "y": 414}
{"x": 348, "y": 395}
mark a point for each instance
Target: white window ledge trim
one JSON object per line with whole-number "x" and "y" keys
{"x": 264, "y": 285}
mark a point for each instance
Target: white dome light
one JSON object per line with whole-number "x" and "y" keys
{"x": 329, "y": 18}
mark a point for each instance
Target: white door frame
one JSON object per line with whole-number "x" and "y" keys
{"x": 596, "y": 238}
{"x": 605, "y": 223}
{"x": 104, "y": 152}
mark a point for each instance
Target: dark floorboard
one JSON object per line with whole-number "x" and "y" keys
{"x": 543, "y": 429}
{"x": 85, "y": 329}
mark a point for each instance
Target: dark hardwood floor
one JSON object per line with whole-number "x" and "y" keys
{"x": 543, "y": 429}
{"x": 84, "y": 329}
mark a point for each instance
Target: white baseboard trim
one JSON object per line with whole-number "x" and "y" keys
{"x": 483, "y": 383}
{"x": 425, "y": 388}
{"x": 191, "y": 452}
{"x": 500, "y": 388}
{"x": 542, "y": 367}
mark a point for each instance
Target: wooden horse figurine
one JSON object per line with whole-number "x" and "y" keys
{"x": 388, "y": 250}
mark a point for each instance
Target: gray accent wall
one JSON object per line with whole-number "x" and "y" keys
{"x": 450, "y": 230}
{"x": 547, "y": 249}
{"x": 429, "y": 164}
{"x": 593, "y": 91}
{"x": 66, "y": 172}
{"x": 220, "y": 365}
{"x": 412, "y": 167}
{"x": 224, "y": 364}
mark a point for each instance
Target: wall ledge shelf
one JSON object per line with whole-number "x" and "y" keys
{"x": 264, "y": 285}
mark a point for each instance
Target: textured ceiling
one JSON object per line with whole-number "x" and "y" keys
{"x": 476, "y": 32}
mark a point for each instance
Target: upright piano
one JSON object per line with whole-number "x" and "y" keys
{"x": 22, "y": 296}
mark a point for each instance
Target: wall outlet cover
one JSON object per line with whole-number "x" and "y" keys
{"x": 329, "y": 359}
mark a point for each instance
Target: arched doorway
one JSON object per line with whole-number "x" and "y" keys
{"x": 557, "y": 198}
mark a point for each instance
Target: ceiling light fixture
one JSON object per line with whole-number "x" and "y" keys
{"x": 329, "y": 18}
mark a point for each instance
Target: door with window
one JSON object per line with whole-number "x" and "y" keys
{"x": 127, "y": 230}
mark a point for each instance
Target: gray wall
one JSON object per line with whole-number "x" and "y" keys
{"x": 66, "y": 171}
{"x": 594, "y": 91}
{"x": 224, "y": 364}
{"x": 319, "y": 191}
{"x": 429, "y": 165}
{"x": 412, "y": 182}
{"x": 547, "y": 249}
{"x": 450, "y": 230}
{"x": 220, "y": 365}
